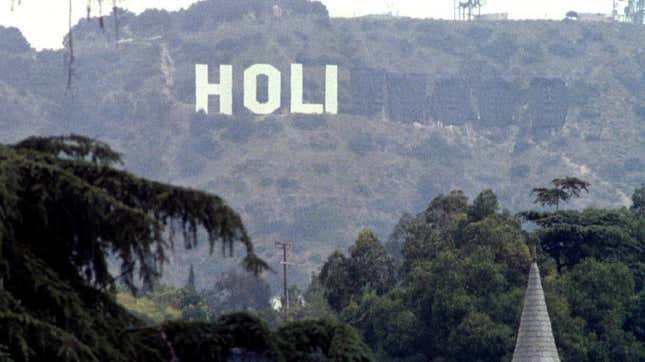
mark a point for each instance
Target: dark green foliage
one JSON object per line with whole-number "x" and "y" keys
{"x": 459, "y": 287}
{"x": 192, "y": 305}
{"x": 336, "y": 278}
{"x": 563, "y": 190}
{"x": 310, "y": 340}
{"x": 368, "y": 268}
{"x": 549, "y": 197}
{"x": 201, "y": 341}
{"x": 595, "y": 303}
{"x": 371, "y": 268}
{"x": 397, "y": 237}
{"x": 635, "y": 321}
{"x": 478, "y": 338}
{"x": 127, "y": 214}
{"x": 74, "y": 146}
{"x": 638, "y": 201}
{"x": 485, "y": 204}
{"x": 443, "y": 209}
{"x": 599, "y": 323}
{"x": 571, "y": 185}
{"x": 571, "y": 236}
{"x": 387, "y": 324}
{"x": 63, "y": 210}
{"x": 238, "y": 291}
{"x": 462, "y": 278}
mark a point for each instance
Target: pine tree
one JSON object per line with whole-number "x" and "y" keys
{"x": 190, "y": 284}
{"x": 65, "y": 207}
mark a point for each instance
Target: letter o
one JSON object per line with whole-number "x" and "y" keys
{"x": 250, "y": 89}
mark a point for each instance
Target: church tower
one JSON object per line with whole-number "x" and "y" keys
{"x": 535, "y": 342}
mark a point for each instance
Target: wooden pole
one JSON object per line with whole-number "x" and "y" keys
{"x": 285, "y": 246}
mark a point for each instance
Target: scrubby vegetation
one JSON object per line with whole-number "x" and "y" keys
{"x": 489, "y": 98}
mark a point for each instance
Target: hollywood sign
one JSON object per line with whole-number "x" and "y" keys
{"x": 224, "y": 90}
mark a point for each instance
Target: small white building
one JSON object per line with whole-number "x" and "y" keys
{"x": 591, "y": 17}
{"x": 492, "y": 17}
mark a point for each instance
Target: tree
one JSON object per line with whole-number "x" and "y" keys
{"x": 602, "y": 294}
{"x": 336, "y": 279}
{"x": 636, "y": 319}
{"x": 236, "y": 291}
{"x": 478, "y": 338}
{"x": 323, "y": 340}
{"x": 311, "y": 304}
{"x": 571, "y": 236}
{"x": 394, "y": 244}
{"x": 64, "y": 208}
{"x": 485, "y": 204}
{"x": 444, "y": 208}
{"x": 190, "y": 284}
{"x": 638, "y": 201}
{"x": 459, "y": 292}
{"x": 387, "y": 324}
{"x": 369, "y": 268}
{"x": 571, "y": 185}
{"x": 635, "y": 11}
{"x": 564, "y": 189}
{"x": 192, "y": 305}
{"x": 571, "y": 15}
{"x": 549, "y": 197}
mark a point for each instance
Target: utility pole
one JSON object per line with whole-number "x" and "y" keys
{"x": 285, "y": 246}
{"x": 455, "y": 9}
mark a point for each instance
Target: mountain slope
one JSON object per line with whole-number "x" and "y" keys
{"x": 425, "y": 106}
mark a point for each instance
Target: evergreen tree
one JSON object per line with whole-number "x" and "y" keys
{"x": 563, "y": 190}
{"x": 236, "y": 291}
{"x": 370, "y": 266}
{"x": 190, "y": 284}
{"x": 485, "y": 204}
{"x": 64, "y": 209}
{"x": 638, "y": 201}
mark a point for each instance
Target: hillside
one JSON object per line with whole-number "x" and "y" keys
{"x": 467, "y": 105}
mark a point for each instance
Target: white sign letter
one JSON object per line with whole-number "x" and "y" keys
{"x": 331, "y": 89}
{"x": 250, "y": 89}
{"x": 297, "y": 104}
{"x": 224, "y": 89}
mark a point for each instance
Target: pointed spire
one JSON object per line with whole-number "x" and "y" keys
{"x": 535, "y": 342}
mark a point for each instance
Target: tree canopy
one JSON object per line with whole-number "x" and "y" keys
{"x": 65, "y": 209}
{"x": 563, "y": 190}
{"x": 462, "y": 272}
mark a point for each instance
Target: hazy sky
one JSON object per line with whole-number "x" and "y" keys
{"x": 44, "y": 22}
